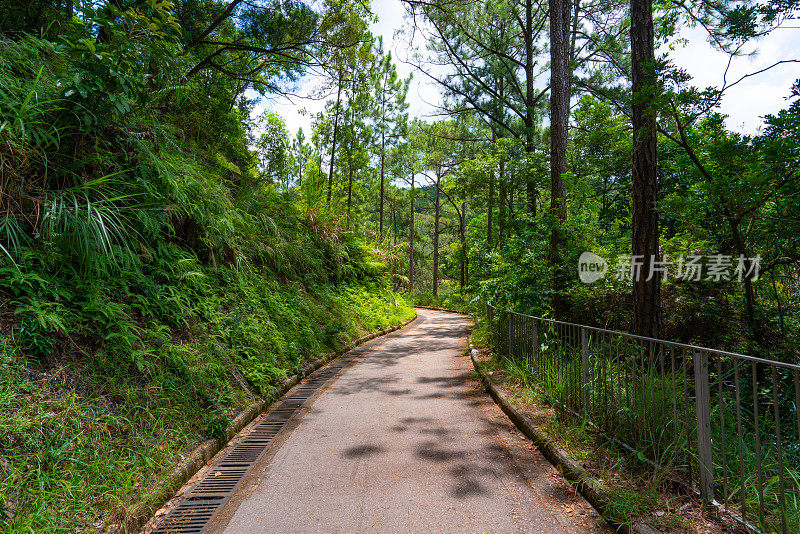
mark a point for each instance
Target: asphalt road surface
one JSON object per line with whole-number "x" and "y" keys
{"x": 406, "y": 440}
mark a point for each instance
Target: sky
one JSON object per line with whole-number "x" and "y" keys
{"x": 423, "y": 95}
{"x": 745, "y": 104}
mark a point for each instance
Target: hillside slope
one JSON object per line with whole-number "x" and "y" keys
{"x": 153, "y": 281}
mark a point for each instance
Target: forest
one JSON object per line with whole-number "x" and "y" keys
{"x": 170, "y": 249}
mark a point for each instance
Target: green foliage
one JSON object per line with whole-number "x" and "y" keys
{"x": 131, "y": 371}
{"x": 152, "y": 280}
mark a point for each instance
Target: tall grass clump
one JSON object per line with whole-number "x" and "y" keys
{"x": 642, "y": 399}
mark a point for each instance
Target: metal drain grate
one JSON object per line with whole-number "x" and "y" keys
{"x": 281, "y": 410}
{"x": 189, "y": 517}
{"x": 291, "y": 404}
{"x": 264, "y": 431}
{"x": 302, "y": 396}
{"x": 220, "y": 482}
{"x": 244, "y": 453}
{"x": 194, "y": 513}
{"x": 278, "y": 417}
{"x": 269, "y": 424}
{"x": 261, "y": 435}
{"x": 305, "y": 390}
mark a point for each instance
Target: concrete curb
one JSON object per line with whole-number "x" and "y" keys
{"x": 572, "y": 470}
{"x": 139, "y": 516}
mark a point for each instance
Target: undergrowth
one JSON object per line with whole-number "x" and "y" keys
{"x": 153, "y": 281}
{"x": 634, "y": 493}
{"x": 89, "y": 435}
{"x": 449, "y": 296}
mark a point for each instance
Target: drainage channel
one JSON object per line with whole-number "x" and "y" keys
{"x": 199, "y": 504}
{"x": 194, "y": 512}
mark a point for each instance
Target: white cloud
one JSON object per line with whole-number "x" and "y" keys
{"x": 747, "y": 102}
{"x": 422, "y": 95}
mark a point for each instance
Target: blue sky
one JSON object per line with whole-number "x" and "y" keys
{"x": 745, "y": 103}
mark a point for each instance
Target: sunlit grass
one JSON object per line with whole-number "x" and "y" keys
{"x": 81, "y": 444}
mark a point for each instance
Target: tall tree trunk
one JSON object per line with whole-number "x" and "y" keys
{"x": 462, "y": 234}
{"x": 462, "y": 258}
{"x": 529, "y": 121}
{"x": 490, "y": 211}
{"x": 559, "y": 123}
{"x": 411, "y": 240}
{"x": 383, "y": 158}
{"x": 503, "y": 204}
{"x": 335, "y": 134}
{"x": 349, "y": 150}
{"x": 436, "y": 237}
{"x": 646, "y": 293}
{"x": 350, "y": 187}
{"x": 394, "y": 242}
{"x": 490, "y": 207}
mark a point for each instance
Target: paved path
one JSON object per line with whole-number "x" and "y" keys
{"x": 406, "y": 441}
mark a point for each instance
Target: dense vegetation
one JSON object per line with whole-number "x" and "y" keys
{"x": 153, "y": 280}
{"x": 474, "y": 205}
{"x": 167, "y": 255}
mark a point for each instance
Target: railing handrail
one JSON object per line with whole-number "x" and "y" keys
{"x": 677, "y": 344}
{"x": 684, "y": 401}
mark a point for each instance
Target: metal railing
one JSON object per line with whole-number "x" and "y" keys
{"x": 726, "y": 425}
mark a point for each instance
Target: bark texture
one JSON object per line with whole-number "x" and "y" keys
{"x": 437, "y": 212}
{"x": 560, "y": 11}
{"x": 335, "y": 135}
{"x": 646, "y": 293}
{"x": 411, "y": 240}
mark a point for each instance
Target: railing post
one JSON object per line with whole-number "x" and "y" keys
{"x": 585, "y": 371}
{"x": 534, "y": 339}
{"x": 490, "y": 320}
{"x": 704, "y": 445}
{"x": 510, "y": 334}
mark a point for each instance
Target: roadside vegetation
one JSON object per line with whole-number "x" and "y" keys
{"x": 153, "y": 278}
{"x": 169, "y": 251}
{"x": 661, "y": 499}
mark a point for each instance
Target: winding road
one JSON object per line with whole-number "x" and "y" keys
{"x": 405, "y": 440}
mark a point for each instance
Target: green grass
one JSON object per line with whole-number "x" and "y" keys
{"x": 653, "y": 414}
{"x": 82, "y": 442}
{"x": 71, "y": 453}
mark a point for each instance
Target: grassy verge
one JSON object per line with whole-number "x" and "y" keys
{"x": 636, "y": 493}
{"x": 88, "y": 436}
